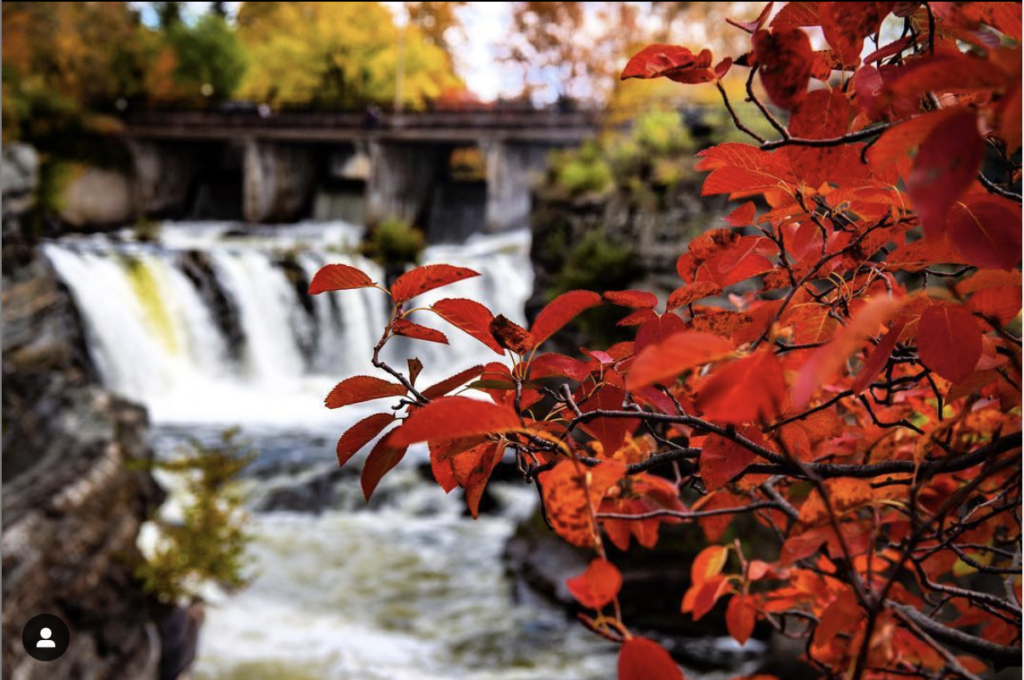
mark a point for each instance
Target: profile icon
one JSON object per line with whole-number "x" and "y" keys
{"x": 46, "y": 637}
{"x": 45, "y": 641}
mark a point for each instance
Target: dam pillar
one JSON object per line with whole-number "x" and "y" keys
{"x": 511, "y": 170}
{"x": 277, "y": 180}
{"x": 402, "y": 178}
{"x": 163, "y": 175}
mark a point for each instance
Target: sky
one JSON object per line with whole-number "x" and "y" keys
{"x": 474, "y": 48}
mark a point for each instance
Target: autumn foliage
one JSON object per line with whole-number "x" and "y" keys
{"x": 838, "y": 362}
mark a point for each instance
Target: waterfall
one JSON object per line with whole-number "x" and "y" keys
{"x": 156, "y": 337}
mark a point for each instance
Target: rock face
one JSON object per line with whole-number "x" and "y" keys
{"x": 656, "y": 229}
{"x": 98, "y": 198}
{"x": 74, "y": 493}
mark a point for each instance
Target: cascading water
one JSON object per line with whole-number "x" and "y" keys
{"x": 155, "y": 338}
{"x": 210, "y": 328}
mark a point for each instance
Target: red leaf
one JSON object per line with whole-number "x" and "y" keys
{"x": 362, "y": 388}
{"x": 360, "y": 434}
{"x": 722, "y": 459}
{"x": 847, "y": 24}
{"x": 656, "y": 330}
{"x": 795, "y": 14}
{"x": 427, "y": 277}
{"x": 1002, "y": 304}
{"x": 611, "y": 432}
{"x": 750, "y": 389}
{"x": 642, "y": 659}
{"x": 638, "y": 318}
{"x": 547, "y": 365}
{"x": 741, "y": 170}
{"x": 475, "y": 467}
{"x": 470, "y": 317}
{"x": 879, "y": 357}
{"x": 443, "y": 457}
{"x": 672, "y": 61}
{"x": 740, "y": 617}
{"x": 743, "y": 216}
{"x": 597, "y": 586}
{"x": 822, "y": 114}
{"x": 708, "y": 564}
{"x": 751, "y": 26}
{"x": 945, "y": 72}
{"x": 784, "y": 60}
{"x": 453, "y": 417}
{"x": 636, "y": 299}
{"x": 944, "y": 169}
{"x": 511, "y": 335}
{"x": 338, "y": 277}
{"x": 827, "y": 360}
{"x": 900, "y": 140}
{"x": 686, "y": 295}
{"x": 409, "y": 329}
{"x": 561, "y": 311}
{"x": 948, "y": 341}
{"x": 383, "y": 457}
{"x": 445, "y": 386}
{"x": 664, "y": 361}
{"x": 986, "y": 230}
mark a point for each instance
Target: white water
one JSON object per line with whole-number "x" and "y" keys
{"x": 155, "y": 341}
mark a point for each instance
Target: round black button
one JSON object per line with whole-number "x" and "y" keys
{"x": 45, "y": 637}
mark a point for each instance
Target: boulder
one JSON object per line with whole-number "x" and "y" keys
{"x": 98, "y": 197}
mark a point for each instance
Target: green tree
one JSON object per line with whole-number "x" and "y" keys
{"x": 210, "y": 59}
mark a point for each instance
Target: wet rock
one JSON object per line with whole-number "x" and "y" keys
{"x": 74, "y": 487}
{"x": 309, "y": 491}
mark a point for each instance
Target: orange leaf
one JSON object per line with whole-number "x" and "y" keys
{"x": 561, "y": 311}
{"x": 447, "y": 385}
{"x": 826, "y": 361}
{"x": 362, "y": 388}
{"x": 784, "y": 60}
{"x": 664, "y": 361}
{"x": 597, "y": 586}
{"x": 637, "y": 299}
{"x": 453, "y": 417}
{"x": 415, "y": 331}
{"x": 709, "y": 563}
{"x": 986, "y": 230}
{"x": 428, "y": 277}
{"x": 944, "y": 169}
{"x": 569, "y": 506}
{"x": 470, "y": 317}
{"x": 948, "y": 341}
{"x": 722, "y": 459}
{"x": 740, "y": 617}
{"x": 383, "y": 457}
{"x": 338, "y": 277}
{"x": 750, "y": 389}
{"x": 642, "y": 659}
{"x": 360, "y": 434}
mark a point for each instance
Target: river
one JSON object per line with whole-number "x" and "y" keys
{"x": 404, "y": 588}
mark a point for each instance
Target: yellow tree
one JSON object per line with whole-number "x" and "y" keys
{"x": 337, "y": 55}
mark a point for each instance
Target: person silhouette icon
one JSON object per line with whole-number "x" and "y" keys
{"x": 46, "y": 642}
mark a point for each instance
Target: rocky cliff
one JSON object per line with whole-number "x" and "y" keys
{"x": 74, "y": 490}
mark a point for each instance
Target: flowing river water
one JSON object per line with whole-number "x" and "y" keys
{"x": 404, "y": 588}
{"x": 209, "y": 327}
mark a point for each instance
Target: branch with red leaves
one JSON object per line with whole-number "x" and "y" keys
{"x": 840, "y": 364}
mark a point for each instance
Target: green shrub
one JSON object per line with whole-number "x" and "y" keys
{"x": 209, "y": 543}
{"x": 394, "y": 243}
{"x": 662, "y": 133}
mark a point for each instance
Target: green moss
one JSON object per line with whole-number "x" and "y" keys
{"x": 209, "y": 543}
{"x": 394, "y": 243}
